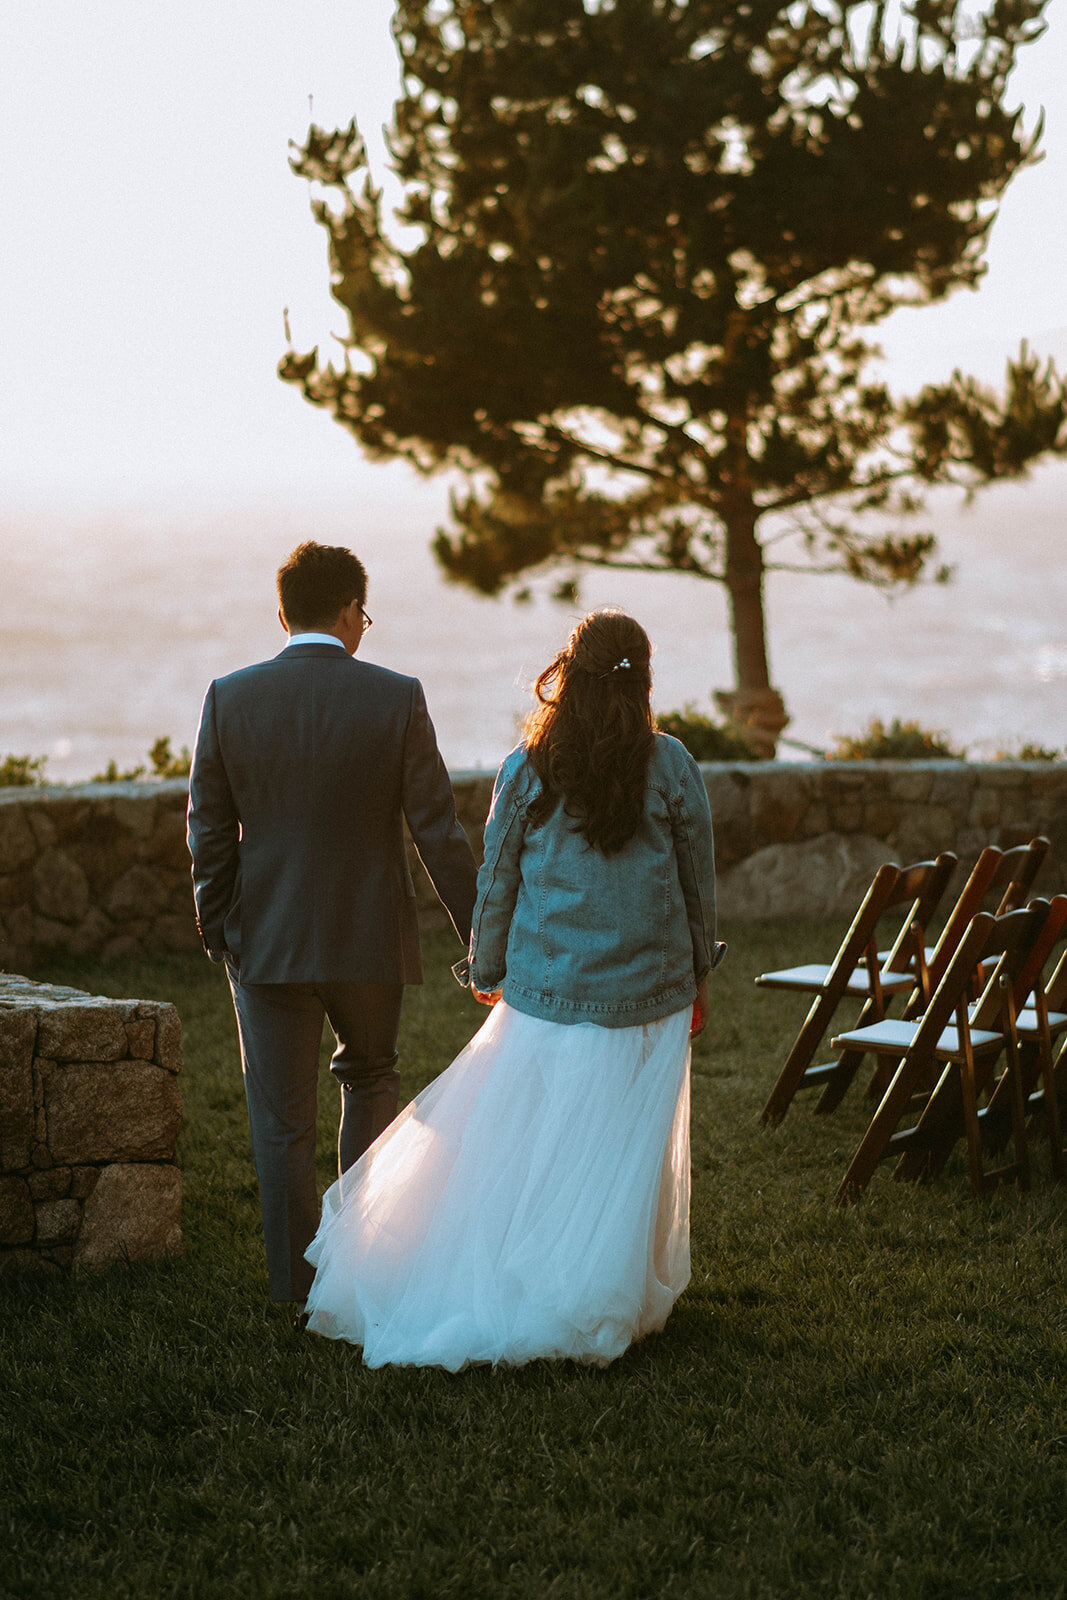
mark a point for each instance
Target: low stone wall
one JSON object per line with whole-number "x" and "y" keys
{"x": 103, "y": 869}
{"x": 805, "y": 839}
{"x": 97, "y": 869}
{"x": 90, "y": 1111}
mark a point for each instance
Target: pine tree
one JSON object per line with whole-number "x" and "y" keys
{"x": 651, "y": 238}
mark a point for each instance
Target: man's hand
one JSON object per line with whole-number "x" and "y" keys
{"x": 700, "y": 1010}
{"x": 484, "y": 999}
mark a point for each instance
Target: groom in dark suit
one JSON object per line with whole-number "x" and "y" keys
{"x": 305, "y": 768}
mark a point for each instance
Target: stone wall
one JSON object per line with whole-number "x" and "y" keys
{"x": 805, "y": 839}
{"x": 90, "y": 1111}
{"x": 98, "y": 869}
{"x": 103, "y": 869}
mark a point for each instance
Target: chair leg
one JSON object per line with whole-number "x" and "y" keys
{"x": 1018, "y": 1116}
{"x": 799, "y": 1059}
{"x": 970, "y": 1122}
{"x": 872, "y": 1146}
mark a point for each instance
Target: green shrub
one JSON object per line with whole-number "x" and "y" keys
{"x": 901, "y": 741}
{"x": 167, "y": 765}
{"x": 704, "y": 739}
{"x": 1031, "y": 752}
{"x": 21, "y": 772}
{"x": 111, "y": 774}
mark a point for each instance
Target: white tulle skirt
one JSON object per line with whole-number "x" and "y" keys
{"x": 532, "y": 1201}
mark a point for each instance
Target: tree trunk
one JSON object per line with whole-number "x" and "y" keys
{"x": 744, "y": 585}
{"x": 755, "y": 709}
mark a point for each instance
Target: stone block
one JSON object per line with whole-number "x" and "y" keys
{"x": 133, "y": 1214}
{"x": 54, "y": 1185}
{"x": 16, "y": 1212}
{"x": 924, "y": 832}
{"x": 85, "y": 1030}
{"x": 816, "y": 820}
{"x": 168, "y": 1039}
{"x": 136, "y": 894}
{"x": 953, "y": 789}
{"x": 167, "y": 846}
{"x": 71, "y": 814}
{"x": 18, "y": 1032}
{"x": 880, "y": 817}
{"x": 823, "y": 877}
{"x": 135, "y": 814}
{"x": 44, "y": 829}
{"x": 18, "y": 923}
{"x": 23, "y": 1263}
{"x": 141, "y": 1036}
{"x": 60, "y": 888}
{"x": 17, "y": 843}
{"x": 58, "y": 1221}
{"x": 83, "y": 1181}
{"x": 777, "y": 806}
{"x": 40, "y": 1156}
{"x": 846, "y": 814}
{"x": 126, "y": 1111}
{"x": 16, "y": 888}
{"x": 909, "y": 783}
{"x": 984, "y": 810}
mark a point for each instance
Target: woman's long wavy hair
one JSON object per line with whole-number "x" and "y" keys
{"x": 590, "y": 736}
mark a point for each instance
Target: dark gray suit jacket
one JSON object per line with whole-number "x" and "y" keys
{"x": 305, "y": 768}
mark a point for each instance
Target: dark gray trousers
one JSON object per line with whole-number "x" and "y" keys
{"x": 280, "y": 1029}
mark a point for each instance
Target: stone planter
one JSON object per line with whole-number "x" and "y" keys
{"x": 90, "y": 1109}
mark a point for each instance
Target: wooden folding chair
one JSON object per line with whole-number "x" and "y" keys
{"x": 1041, "y": 1019}
{"x": 965, "y": 1040}
{"x": 1008, "y": 874}
{"x": 856, "y": 970}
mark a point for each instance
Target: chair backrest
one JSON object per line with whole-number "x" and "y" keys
{"x": 1009, "y": 871}
{"x": 1005, "y": 940}
{"x": 1016, "y": 872}
{"x": 1030, "y": 972}
{"x": 859, "y": 939}
{"x": 924, "y": 884}
{"x": 1018, "y": 947}
{"x": 891, "y": 886}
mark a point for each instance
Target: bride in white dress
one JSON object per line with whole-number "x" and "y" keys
{"x": 533, "y": 1201}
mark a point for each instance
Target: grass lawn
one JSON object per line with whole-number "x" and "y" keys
{"x": 870, "y": 1402}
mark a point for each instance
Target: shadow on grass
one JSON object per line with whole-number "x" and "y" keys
{"x": 868, "y": 1402}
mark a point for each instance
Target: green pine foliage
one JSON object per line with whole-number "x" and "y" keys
{"x": 647, "y": 244}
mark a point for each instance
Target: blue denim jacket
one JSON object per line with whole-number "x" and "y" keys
{"x": 576, "y": 936}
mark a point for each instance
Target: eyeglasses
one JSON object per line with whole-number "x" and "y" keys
{"x": 367, "y": 621}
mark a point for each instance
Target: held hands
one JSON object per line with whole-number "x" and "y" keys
{"x": 484, "y": 999}
{"x": 700, "y": 1010}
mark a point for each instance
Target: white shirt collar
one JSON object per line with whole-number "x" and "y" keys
{"x": 315, "y": 638}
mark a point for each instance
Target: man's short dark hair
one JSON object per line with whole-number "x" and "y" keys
{"x": 317, "y": 582}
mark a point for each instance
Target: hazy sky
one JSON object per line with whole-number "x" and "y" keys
{"x": 152, "y": 234}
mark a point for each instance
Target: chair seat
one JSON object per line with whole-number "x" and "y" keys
{"x": 1026, "y": 1023}
{"x": 893, "y": 1038}
{"x": 812, "y": 979}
